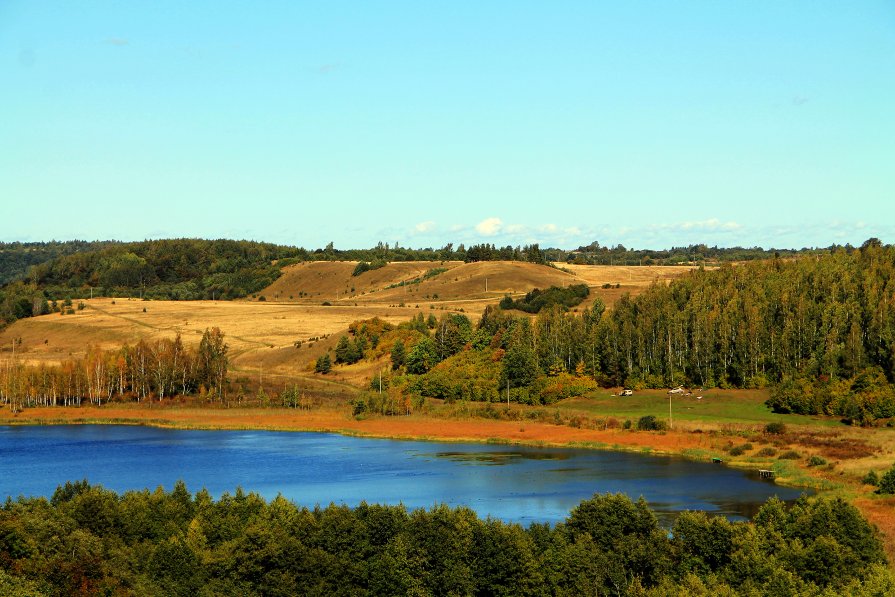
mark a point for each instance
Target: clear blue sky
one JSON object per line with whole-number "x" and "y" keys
{"x": 649, "y": 124}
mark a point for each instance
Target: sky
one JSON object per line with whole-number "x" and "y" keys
{"x": 650, "y": 124}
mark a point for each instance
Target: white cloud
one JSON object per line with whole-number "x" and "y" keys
{"x": 426, "y": 226}
{"x": 710, "y": 224}
{"x": 489, "y": 226}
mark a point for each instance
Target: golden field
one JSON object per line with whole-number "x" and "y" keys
{"x": 262, "y": 334}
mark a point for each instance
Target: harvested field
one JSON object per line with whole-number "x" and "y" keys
{"x": 248, "y": 326}
{"x": 267, "y": 331}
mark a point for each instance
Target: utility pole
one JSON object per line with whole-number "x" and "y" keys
{"x": 670, "y": 421}
{"x": 508, "y": 392}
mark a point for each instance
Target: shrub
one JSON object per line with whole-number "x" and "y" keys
{"x": 817, "y": 461}
{"x": 737, "y": 451}
{"x": 790, "y": 455}
{"x": 775, "y": 428}
{"x": 358, "y": 407}
{"x": 871, "y": 478}
{"x": 650, "y": 423}
{"x": 627, "y": 424}
{"x": 887, "y": 483}
{"x": 365, "y": 266}
{"x": 766, "y": 452}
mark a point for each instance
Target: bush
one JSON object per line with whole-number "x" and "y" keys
{"x": 650, "y": 423}
{"x": 627, "y": 424}
{"x": 737, "y": 451}
{"x": 790, "y": 455}
{"x": 817, "y": 461}
{"x": 358, "y": 407}
{"x": 365, "y": 266}
{"x": 775, "y": 428}
{"x": 766, "y": 452}
{"x": 887, "y": 483}
{"x": 871, "y": 478}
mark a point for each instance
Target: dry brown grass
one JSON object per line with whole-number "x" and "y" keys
{"x": 881, "y": 512}
{"x": 249, "y": 327}
{"x": 332, "y": 280}
{"x": 265, "y": 332}
{"x": 462, "y": 282}
{"x": 335, "y": 418}
{"x": 630, "y": 279}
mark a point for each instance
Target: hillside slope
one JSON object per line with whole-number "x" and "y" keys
{"x": 333, "y": 280}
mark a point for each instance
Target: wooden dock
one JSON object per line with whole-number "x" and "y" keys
{"x": 765, "y": 474}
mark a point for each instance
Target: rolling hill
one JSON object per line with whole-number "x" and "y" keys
{"x": 263, "y": 334}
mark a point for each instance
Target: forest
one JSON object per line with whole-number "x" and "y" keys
{"x": 140, "y": 373}
{"x": 87, "y": 540}
{"x": 17, "y": 257}
{"x": 177, "y": 269}
{"x": 820, "y": 331}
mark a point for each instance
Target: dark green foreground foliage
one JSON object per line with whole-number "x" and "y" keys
{"x": 88, "y": 540}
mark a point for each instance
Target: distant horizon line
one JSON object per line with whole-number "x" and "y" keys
{"x": 455, "y": 246}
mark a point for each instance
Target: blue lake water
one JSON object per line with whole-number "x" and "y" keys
{"x": 517, "y": 484}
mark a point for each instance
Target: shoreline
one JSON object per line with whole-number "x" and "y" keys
{"x": 683, "y": 444}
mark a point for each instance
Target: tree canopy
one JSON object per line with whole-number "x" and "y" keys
{"x": 91, "y": 541}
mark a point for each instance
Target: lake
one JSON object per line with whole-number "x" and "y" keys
{"x": 513, "y": 483}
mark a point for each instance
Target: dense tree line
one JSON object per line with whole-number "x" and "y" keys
{"x": 143, "y": 372}
{"x": 595, "y": 254}
{"x": 17, "y": 257}
{"x": 175, "y": 269}
{"x": 824, "y": 318}
{"x": 90, "y": 541}
{"x": 820, "y": 329}
{"x": 488, "y": 252}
